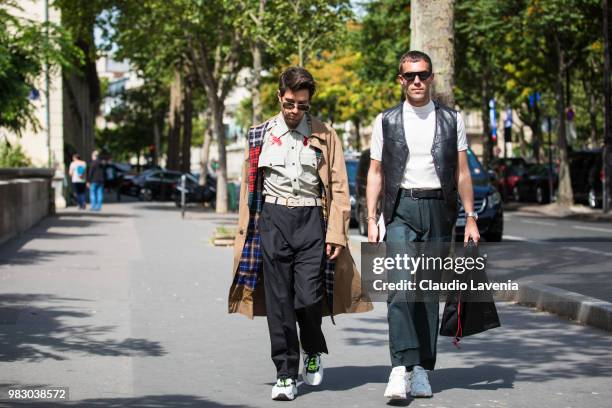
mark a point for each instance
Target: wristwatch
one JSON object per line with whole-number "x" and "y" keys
{"x": 472, "y": 214}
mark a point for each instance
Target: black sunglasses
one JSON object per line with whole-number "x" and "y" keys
{"x": 304, "y": 107}
{"x": 409, "y": 76}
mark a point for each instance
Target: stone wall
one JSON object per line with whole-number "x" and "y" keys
{"x": 26, "y": 197}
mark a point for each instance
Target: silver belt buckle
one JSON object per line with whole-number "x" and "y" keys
{"x": 411, "y": 196}
{"x": 291, "y": 202}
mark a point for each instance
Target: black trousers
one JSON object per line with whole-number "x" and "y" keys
{"x": 293, "y": 247}
{"x": 419, "y": 227}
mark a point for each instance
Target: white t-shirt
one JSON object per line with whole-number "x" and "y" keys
{"x": 78, "y": 169}
{"x": 419, "y": 128}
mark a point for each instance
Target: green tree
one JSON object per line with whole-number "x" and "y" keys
{"x": 568, "y": 29}
{"x": 27, "y": 48}
{"x": 384, "y": 36}
{"x": 134, "y": 120}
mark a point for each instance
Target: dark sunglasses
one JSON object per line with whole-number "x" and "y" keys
{"x": 304, "y": 107}
{"x": 409, "y": 76}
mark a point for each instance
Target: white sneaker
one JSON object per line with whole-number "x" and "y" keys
{"x": 419, "y": 383}
{"x": 398, "y": 384}
{"x": 284, "y": 390}
{"x": 312, "y": 372}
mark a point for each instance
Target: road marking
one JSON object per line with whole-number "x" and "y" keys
{"x": 514, "y": 238}
{"x": 549, "y": 224}
{"x": 609, "y": 231}
{"x": 588, "y": 250}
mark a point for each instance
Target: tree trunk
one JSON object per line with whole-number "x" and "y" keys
{"x": 156, "y": 140}
{"x": 257, "y": 67}
{"x": 187, "y": 129}
{"x": 522, "y": 146}
{"x": 487, "y": 152}
{"x": 208, "y": 135}
{"x": 432, "y": 32}
{"x": 256, "y": 83}
{"x": 219, "y": 130}
{"x": 357, "y": 124}
{"x": 589, "y": 92}
{"x": 565, "y": 195}
{"x": 174, "y": 122}
{"x": 536, "y": 131}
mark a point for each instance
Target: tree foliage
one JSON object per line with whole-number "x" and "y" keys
{"x": 26, "y": 48}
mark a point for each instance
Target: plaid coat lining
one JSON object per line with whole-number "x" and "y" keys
{"x": 251, "y": 259}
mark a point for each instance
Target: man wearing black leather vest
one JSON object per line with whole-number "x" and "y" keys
{"x": 418, "y": 167}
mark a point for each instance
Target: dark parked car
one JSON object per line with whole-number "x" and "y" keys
{"x": 534, "y": 186}
{"x": 586, "y": 172}
{"x": 487, "y": 201}
{"x": 194, "y": 192}
{"x": 128, "y": 186}
{"x": 352, "y": 163}
{"x": 155, "y": 184}
{"x": 509, "y": 172}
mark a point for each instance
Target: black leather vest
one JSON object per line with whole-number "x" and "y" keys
{"x": 395, "y": 156}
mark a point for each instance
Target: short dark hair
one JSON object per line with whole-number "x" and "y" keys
{"x": 296, "y": 79}
{"x": 414, "y": 56}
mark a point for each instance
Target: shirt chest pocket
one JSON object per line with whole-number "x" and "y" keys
{"x": 272, "y": 159}
{"x": 308, "y": 158}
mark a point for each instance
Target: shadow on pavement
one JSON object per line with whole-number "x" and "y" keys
{"x": 527, "y": 347}
{"x": 32, "y": 333}
{"x": 147, "y": 401}
{"x": 482, "y": 377}
{"x": 11, "y": 252}
{"x": 348, "y": 377}
{"x": 33, "y": 256}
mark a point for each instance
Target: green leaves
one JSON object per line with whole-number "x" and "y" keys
{"x": 26, "y": 47}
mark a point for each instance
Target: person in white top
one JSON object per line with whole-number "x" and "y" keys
{"x": 78, "y": 176}
{"x": 418, "y": 166}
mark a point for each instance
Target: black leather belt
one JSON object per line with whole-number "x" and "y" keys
{"x": 422, "y": 193}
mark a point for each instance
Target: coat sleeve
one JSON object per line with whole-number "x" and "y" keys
{"x": 340, "y": 205}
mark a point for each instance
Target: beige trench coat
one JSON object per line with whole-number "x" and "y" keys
{"x": 347, "y": 279}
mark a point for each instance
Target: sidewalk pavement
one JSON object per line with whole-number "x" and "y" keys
{"x": 128, "y": 308}
{"x": 554, "y": 210}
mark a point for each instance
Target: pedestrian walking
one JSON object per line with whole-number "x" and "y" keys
{"x": 78, "y": 175}
{"x": 95, "y": 178}
{"x": 292, "y": 240}
{"x": 418, "y": 166}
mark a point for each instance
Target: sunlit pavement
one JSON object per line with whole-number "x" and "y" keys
{"x": 128, "y": 308}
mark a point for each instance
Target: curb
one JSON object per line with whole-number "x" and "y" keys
{"x": 580, "y": 308}
{"x": 574, "y": 306}
{"x": 557, "y": 213}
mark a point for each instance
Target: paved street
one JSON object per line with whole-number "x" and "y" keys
{"x": 128, "y": 309}
{"x": 569, "y": 254}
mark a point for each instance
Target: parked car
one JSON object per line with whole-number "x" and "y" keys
{"x": 128, "y": 186}
{"x": 508, "y": 172}
{"x": 586, "y": 172}
{"x": 487, "y": 201}
{"x": 194, "y": 192}
{"x": 534, "y": 185}
{"x": 155, "y": 184}
{"x": 352, "y": 162}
